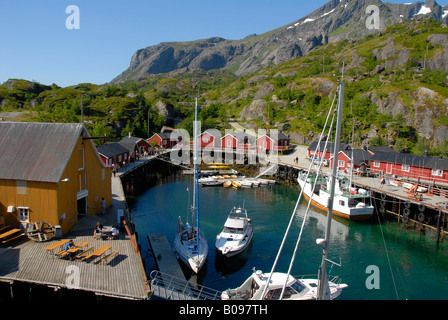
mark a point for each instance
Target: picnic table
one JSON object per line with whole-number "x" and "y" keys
{"x": 55, "y": 245}
{"x": 73, "y": 250}
{"x": 99, "y": 252}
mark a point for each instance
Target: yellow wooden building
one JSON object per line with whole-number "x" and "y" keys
{"x": 50, "y": 172}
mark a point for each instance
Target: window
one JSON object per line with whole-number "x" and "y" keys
{"x": 24, "y": 213}
{"x": 405, "y": 167}
{"x": 342, "y": 203}
{"x": 437, "y": 172}
{"x": 376, "y": 164}
{"x": 341, "y": 163}
{"x": 21, "y": 187}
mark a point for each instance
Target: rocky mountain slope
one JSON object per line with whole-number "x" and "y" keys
{"x": 335, "y": 21}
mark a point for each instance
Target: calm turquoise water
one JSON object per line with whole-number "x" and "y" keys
{"x": 418, "y": 264}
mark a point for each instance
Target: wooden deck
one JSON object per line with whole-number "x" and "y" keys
{"x": 122, "y": 276}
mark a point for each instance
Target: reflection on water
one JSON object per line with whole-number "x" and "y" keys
{"x": 419, "y": 266}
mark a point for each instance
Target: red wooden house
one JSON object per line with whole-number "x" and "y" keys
{"x": 210, "y": 138}
{"x": 328, "y": 154}
{"x": 164, "y": 140}
{"x": 274, "y": 142}
{"x": 136, "y": 146}
{"x": 113, "y": 153}
{"x": 404, "y": 165}
{"x": 358, "y": 159}
{"x": 238, "y": 140}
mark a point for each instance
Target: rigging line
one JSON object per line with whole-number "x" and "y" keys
{"x": 295, "y": 208}
{"x": 306, "y": 212}
{"x": 387, "y": 255}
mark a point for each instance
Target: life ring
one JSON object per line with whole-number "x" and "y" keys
{"x": 383, "y": 203}
{"x": 382, "y": 210}
{"x": 407, "y": 204}
{"x": 406, "y": 212}
{"x": 383, "y": 196}
{"x": 421, "y": 217}
{"x": 421, "y": 207}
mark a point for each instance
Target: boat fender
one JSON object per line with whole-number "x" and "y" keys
{"x": 383, "y": 196}
{"x": 382, "y": 210}
{"x": 421, "y": 207}
{"x": 406, "y": 212}
{"x": 407, "y": 204}
{"x": 383, "y": 203}
{"x": 421, "y": 217}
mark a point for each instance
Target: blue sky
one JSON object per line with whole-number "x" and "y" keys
{"x": 36, "y": 45}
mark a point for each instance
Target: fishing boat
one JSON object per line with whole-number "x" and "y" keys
{"x": 283, "y": 286}
{"x": 350, "y": 203}
{"x": 236, "y": 234}
{"x": 190, "y": 244}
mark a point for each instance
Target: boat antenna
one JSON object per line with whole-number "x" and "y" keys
{"x": 323, "y": 287}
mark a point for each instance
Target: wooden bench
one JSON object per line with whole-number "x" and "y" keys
{"x": 110, "y": 256}
{"x": 77, "y": 247}
{"x": 10, "y": 235}
{"x": 82, "y": 254}
{"x": 55, "y": 245}
{"x": 13, "y": 238}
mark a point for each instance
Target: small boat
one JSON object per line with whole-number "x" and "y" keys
{"x": 237, "y": 233}
{"x": 236, "y": 184}
{"x": 295, "y": 289}
{"x": 212, "y": 183}
{"x": 227, "y": 183}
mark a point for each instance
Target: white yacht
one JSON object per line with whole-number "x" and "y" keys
{"x": 295, "y": 289}
{"x": 237, "y": 233}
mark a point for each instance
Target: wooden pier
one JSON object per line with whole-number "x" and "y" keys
{"x": 164, "y": 255}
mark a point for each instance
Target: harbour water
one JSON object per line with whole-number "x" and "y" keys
{"x": 379, "y": 261}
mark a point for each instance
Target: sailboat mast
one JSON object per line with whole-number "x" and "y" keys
{"x": 323, "y": 289}
{"x": 196, "y": 172}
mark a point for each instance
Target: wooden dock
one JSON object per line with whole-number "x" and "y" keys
{"x": 164, "y": 255}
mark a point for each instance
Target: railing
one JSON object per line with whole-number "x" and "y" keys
{"x": 170, "y": 287}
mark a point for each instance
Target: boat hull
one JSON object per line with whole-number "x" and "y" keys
{"x": 185, "y": 252}
{"x": 355, "y": 214}
{"x": 234, "y": 250}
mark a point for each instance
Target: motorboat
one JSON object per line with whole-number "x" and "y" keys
{"x": 295, "y": 288}
{"x": 236, "y": 234}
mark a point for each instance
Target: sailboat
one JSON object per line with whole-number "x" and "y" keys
{"x": 190, "y": 243}
{"x": 283, "y": 286}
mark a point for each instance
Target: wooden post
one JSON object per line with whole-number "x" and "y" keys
{"x": 438, "y": 226}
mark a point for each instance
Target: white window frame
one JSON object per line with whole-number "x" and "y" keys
{"x": 405, "y": 168}
{"x": 376, "y": 164}
{"x": 341, "y": 163}
{"x": 437, "y": 172}
{"x": 23, "y": 213}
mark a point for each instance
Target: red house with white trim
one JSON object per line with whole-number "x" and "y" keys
{"x": 163, "y": 140}
{"x": 238, "y": 140}
{"x": 274, "y": 142}
{"x": 405, "y": 165}
{"x": 328, "y": 154}
{"x": 210, "y": 138}
{"x": 356, "y": 158}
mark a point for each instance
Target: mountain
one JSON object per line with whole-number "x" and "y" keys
{"x": 335, "y": 21}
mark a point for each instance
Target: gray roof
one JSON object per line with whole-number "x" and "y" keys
{"x": 37, "y": 151}
{"x": 330, "y": 146}
{"x": 130, "y": 142}
{"x": 111, "y": 149}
